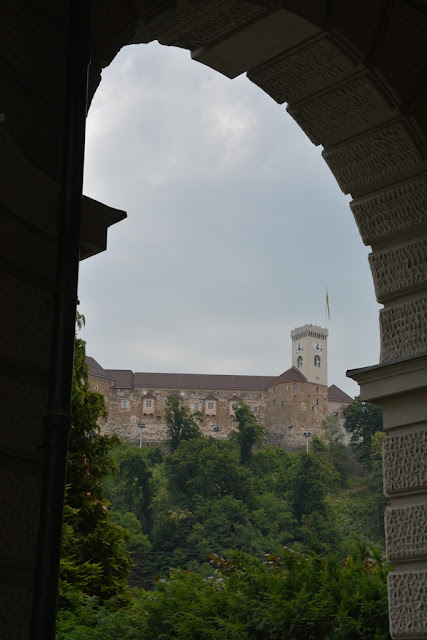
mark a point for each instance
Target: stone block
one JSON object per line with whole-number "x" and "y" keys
{"x": 343, "y": 112}
{"x": 399, "y": 269}
{"x": 405, "y": 462}
{"x": 307, "y": 69}
{"x": 373, "y": 158}
{"x": 408, "y": 604}
{"x": 406, "y": 532}
{"x": 403, "y": 330}
{"x": 398, "y": 210}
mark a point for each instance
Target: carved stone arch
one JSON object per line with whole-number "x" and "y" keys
{"x": 351, "y": 76}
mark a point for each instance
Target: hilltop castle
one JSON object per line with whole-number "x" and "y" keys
{"x": 291, "y": 406}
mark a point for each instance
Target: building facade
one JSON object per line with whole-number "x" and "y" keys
{"x": 291, "y": 406}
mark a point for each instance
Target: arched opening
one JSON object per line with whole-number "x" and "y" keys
{"x": 356, "y": 85}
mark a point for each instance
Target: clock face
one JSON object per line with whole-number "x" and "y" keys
{"x": 317, "y": 347}
{"x": 299, "y": 348}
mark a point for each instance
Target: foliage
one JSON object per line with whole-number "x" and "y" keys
{"x": 181, "y": 423}
{"x": 290, "y": 596}
{"x": 362, "y": 421}
{"x": 211, "y": 498}
{"x": 249, "y": 433}
{"x": 94, "y": 560}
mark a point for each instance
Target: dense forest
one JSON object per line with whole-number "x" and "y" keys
{"x": 222, "y": 539}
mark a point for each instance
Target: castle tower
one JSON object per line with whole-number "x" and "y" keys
{"x": 310, "y": 352}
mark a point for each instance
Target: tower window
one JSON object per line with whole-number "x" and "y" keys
{"x": 299, "y": 362}
{"x": 295, "y": 386}
{"x": 125, "y": 404}
{"x": 294, "y": 399}
{"x": 317, "y": 361}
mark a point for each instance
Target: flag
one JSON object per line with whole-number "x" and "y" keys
{"x": 327, "y": 304}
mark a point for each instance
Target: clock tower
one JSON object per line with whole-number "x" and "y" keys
{"x": 310, "y": 352}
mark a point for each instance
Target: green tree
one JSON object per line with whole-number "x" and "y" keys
{"x": 249, "y": 433}
{"x": 91, "y": 539}
{"x": 181, "y": 423}
{"x": 337, "y": 452}
{"x": 362, "y": 420}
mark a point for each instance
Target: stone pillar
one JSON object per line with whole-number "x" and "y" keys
{"x": 400, "y": 388}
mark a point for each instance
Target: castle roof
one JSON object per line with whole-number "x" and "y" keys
{"x": 290, "y": 375}
{"x": 127, "y": 379}
{"x": 95, "y": 369}
{"x": 335, "y": 394}
{"x": 202, "y": 381}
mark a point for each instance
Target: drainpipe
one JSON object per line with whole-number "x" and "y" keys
{"x": 58, "y": 417}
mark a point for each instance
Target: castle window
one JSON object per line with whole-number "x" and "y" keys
{"x": 125, "y": 404}
{"x": 312, "y": 407}
{"x": 299, "y": 362}
{"x": 317, "y": 361}
{"x": 295, "y": 386}
{"x": 255, "y": 409}
{"x": 159, "y": 418}
{"x": 196, "y": 406}
{"x": 210, "y": 406}
{"x": 317, "y": 401}
{"x": 317, "y": 389}
{"x": 294, "y": 399}
{"x": 148, "y": 405}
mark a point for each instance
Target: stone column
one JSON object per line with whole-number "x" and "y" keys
{"x": 400, "y": 388}
{"x": 393, "y": 222}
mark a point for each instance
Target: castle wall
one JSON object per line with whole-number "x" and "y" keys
{"x": 295, "y": 408}
{"x": 126, "y": 408}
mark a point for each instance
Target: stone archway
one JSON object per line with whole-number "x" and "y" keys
{"x": 353, "y": 76}
{"x": 343, "y": 72}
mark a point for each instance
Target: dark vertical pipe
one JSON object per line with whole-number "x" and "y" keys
{"x": 58, "y": 417}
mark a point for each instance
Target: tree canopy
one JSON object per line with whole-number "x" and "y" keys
{"x": 181, "y": 423}
{"x": 362, "y": 421}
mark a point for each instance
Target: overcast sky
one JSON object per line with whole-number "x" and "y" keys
{"x": 235, "y": 227}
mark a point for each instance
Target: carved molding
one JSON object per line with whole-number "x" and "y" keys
{"x": 406, "y": 531}
{"x": 403, "y": 330}
{"x": 373, "y": 157}
{"x": 405, "y": 462}
{"x": 393, "y": 211}
{"x": 344, "y": 111}
{"x": 399, "y": 268}
{"x": 408, "y": 604}
{"x": 304, "y": 71}
{"x": 195, "y": 26}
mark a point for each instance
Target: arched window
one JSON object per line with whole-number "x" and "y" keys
{"x": 295, "y": 386}
{"x": 294, "y": 398}
{"x": 299, "y": 361}
{"x": 317, "y": 361}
